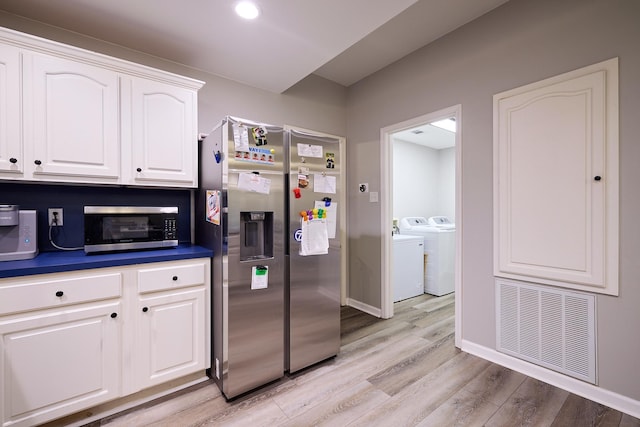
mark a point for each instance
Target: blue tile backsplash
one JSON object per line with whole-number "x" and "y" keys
{"x": 73, "y": 198}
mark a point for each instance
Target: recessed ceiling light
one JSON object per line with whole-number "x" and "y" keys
{"x": 447, "y": 124}
{"x": 247, "y": 10}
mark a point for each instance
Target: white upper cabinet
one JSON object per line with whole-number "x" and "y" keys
{"x": 71, "y": 120}
{"x": 163, "y": 132}
{"x": 556, "y": 180}
{"x": 70, "y": 115}
{"x": 11, "y": 152}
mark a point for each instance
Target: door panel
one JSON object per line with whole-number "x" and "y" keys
{"x": 314, "y": 281}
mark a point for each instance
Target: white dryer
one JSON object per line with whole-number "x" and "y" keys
{"x": 439, "y": 249}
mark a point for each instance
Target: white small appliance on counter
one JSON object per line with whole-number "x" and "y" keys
{"x": 18, "y": 233}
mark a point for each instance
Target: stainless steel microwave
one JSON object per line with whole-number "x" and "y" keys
{"x": 121, "y": 228}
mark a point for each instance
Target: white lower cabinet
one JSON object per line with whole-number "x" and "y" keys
{"x": 172, "y": 336}
{"x": 71, "y": 341}
{"x": 173, "y": 330}
{"x": 59, "y": 362}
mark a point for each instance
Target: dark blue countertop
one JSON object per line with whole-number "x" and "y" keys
{"x": 56, "y": 262}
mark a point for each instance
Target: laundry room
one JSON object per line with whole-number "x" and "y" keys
{"x": 424, "y": 182}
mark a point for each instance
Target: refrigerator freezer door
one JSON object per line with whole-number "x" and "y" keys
{"x": 248, "y": 295}
{"x": 314, "y": 280}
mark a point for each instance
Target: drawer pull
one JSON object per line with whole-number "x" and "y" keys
{"x": 114, "y": 315}
{"x": 59, "y": 293}
{"x": 37, "y": 162}
{"x": 175, "y": 278}
{"x": 13, "y": 160}
{"x": 138, "y": 170}
{"x": 145, "y": 309}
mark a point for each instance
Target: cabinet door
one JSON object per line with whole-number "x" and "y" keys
{"x": 556, "y": 180}
{"x": 163, "y": 134}
{"x": 71, "y": 120}
{"x": 53, "y": 363}
{"x": 172, "y": 336}
{"x": 11, "y": 150}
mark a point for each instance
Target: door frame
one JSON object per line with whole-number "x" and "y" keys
{"x": 386, "y": 200}
{"x": 342, "y": 201}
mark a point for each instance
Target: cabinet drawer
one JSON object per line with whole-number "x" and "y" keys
{"x": 165, "y": 278}
{"x": 35, "y": 295}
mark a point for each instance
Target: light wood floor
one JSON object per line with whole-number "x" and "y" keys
{"x": 403, "y": 371}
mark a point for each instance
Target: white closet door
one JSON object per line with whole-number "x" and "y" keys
{"x": 556, "y": 180}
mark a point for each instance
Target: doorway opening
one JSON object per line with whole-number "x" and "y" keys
{"x": 436, "y": 144}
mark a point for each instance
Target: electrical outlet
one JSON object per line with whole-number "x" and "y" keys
{"x": 55, "y": 217}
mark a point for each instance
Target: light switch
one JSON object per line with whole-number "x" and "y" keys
{"x": 373, "y": 197}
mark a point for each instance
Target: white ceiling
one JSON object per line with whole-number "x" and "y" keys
{"x": 341, "y": 40}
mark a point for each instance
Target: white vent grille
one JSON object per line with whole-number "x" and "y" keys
{"x": 549, "y": 327}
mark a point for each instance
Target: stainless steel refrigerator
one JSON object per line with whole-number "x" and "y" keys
{"x": 313, "y": 303}
{"x": 240, "y": 208}
{"x": 275, "y": 305}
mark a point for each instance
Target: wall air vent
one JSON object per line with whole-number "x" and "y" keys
{"x": 546, "y": 326}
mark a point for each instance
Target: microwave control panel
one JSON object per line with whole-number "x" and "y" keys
{"x": 170, "y": 229}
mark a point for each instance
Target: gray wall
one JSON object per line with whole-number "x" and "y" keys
{"x": 423, "y": 180}
{"x": 521, "y": 42}
{"x": 314, "y": 103}
{"x": 447, "y": 183}
{"x": 415, "y": 179}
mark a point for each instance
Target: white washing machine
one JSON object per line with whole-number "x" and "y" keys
{"x": 439, "y": 250}
{"x": 408, "y": 266}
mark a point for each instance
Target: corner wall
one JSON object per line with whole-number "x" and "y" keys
{"x": 518, "y": 43}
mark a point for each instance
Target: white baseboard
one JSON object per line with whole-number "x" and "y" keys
{"x": 588, "y": 391}
{"x": 374, "y": 311}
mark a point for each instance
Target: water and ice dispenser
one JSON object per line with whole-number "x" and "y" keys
{"x": 256, "y": 235}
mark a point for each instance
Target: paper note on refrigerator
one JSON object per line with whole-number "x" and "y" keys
{"x": 240, "y": 137}
{"x": 331, "y": 218}
{"x": 259, "y": 277}
{"x": 213, "y": 206}
{"x": 308, "y": 150}
{"x": 324, "y": 183}
{"x": 315, "y": 240}
{"x": 254, "y": 182}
